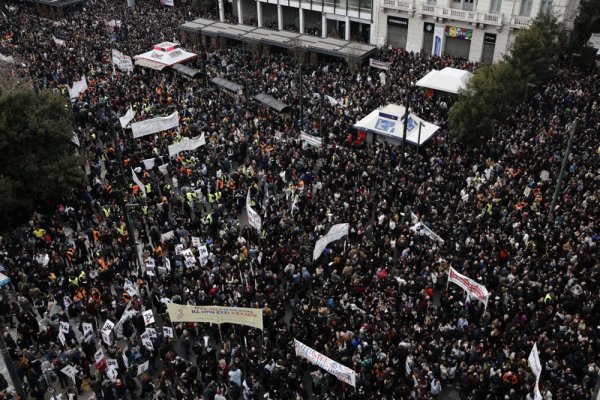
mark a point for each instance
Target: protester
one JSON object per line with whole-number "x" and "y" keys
{"x": 375, "y": 301}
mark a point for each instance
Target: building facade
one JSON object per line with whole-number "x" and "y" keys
{"x": 478, "y": 30}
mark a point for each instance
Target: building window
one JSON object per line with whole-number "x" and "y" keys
{"x": 546, "y": 5}
{"x": 432, "y": 2}
{"x": 495, "y": 6}
{"x": 526, "y": 8}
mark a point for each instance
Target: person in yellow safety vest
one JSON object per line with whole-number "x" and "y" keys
{"x": 488, "y": 208}
{"x": 145, "y": 210}
{"x": 155, "y": 151}
{"x": 218, "y": 196}
{"x": 211, "y": 198}
{"x": 191, "y": 195}
{"x": 547, "y": 298}
{"x": 122, "y": 229}
{"x": 148, "y": 188}
{"x": 208, "y": 219}
{"x": 74, "y": 280}
{"x": 39, "y": 233}
{"x": 106, "y": 211}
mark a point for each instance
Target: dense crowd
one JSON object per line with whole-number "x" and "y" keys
{"x": 376, "y": 301}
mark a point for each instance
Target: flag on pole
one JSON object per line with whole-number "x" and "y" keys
{"x": 469, "y": 285}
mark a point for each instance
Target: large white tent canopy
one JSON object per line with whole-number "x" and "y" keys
{"x": 164, "y": 54}
{"x": 389, "y": 121}
{"x": 449, "y": 80}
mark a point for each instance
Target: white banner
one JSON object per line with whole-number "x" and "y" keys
{"x": 149, "y": 163}
{"x": 379, "y": 64}
{"x": 438, "y": 41}
{"x": 127, "y": 118}
{"x": 7, "y": 59}
{"x": 79, "y": 86}
{"x": 122, "y": 61}
{"x": 154, "y": 125}
{"x": 253, "y": 218}
{"x": 311, "y": 140}
{"x": 469, "y": 285}
{"x": 58, "y": 41}
{"x": 335, "y": 232}
{"x": 186, "y": 145}
{"x": 534, "y": 362}
{"x": 168, "y": 3}
{"x": 138, "y": 182}
{"x": 336, "y": 369}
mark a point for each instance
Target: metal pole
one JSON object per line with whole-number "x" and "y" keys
{"x": 321, "y": 115}
{"x": 10, "y": 366}
{"x": 300, "y": 91}
{"x": 418, "y": 156}
{"x": 405, "y": 127}
{"x": 562, "y": 169}
{"x": 121, "y": 181}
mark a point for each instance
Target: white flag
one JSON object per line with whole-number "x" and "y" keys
{"x": 127, "y": 118}
{"x": 79, "y": 86}
{"x": 253, "y": 218}
{"x": 469, "y": 285}
{"x": 58, "y": 41}
{"x": 138, "y": 182}
{"x": 336, "y": 232}
{"x": 534, "y": 362}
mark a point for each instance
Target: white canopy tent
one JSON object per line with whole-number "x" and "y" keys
{"x": 164, "y": 54}
{"x": 449, "y": 80}
{"x": 389, "y": 122}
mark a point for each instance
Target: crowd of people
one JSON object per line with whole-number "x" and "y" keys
{"x": 376, "y": 301}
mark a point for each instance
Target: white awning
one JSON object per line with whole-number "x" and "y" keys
{"x": 449, "y": 80}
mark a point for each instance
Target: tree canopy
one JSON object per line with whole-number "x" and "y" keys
{"x": 495, "y": 90}
{"x": 39, "y": 162}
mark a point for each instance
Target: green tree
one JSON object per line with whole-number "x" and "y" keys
{"x": 586, "y": 23}
{"x": 490, "y": 96}
{"x": 535, "y": 49}
{"x": 38, "y": 162}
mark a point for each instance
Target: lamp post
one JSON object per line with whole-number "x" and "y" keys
{"x": 10, "y": 366}
{"x": 571, "y": 62}
{"x": 527, "y": 86}
{"x": 562, "y": 169}
{"x": 421, "y": 124}
{"x": 404, "y": 130}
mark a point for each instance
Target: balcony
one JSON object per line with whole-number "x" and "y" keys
{"x": 472, "y": 17}
{"x": 520, "y": 22}
{"x": 402, "y": 5}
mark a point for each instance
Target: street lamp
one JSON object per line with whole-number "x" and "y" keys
{"x": 408, "y": 92}
{"x": 527, "y": 86}
{"x": 421, "y": 124}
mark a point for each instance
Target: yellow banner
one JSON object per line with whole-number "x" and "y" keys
{"x": 217, "y": 315}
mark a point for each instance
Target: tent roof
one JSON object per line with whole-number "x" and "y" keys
{"x": 167, "y": 58}
{"x": 225, "y": 84}
{"x": 449, "y": 80}
{"x": 370, "y": 123}
{"x": 142, "y": 62}
{"x": 270, "y": 101}
{"x": 185, "y": 70}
